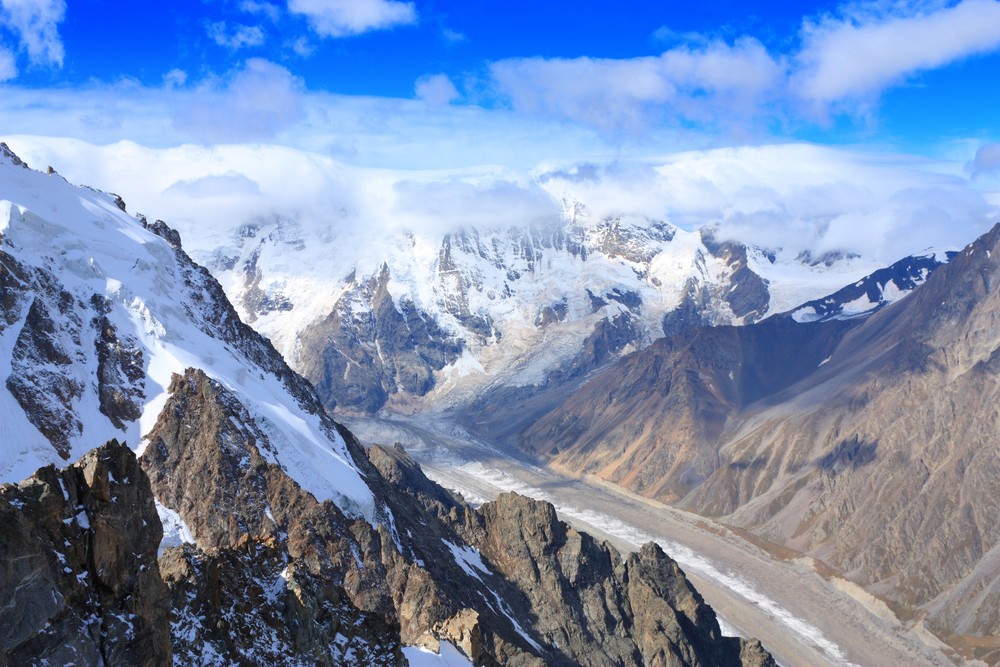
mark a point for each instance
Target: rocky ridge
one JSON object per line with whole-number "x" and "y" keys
{"x": 79, "y": 577}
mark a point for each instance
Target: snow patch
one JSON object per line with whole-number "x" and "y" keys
{"x": 175, "y": 531}
{"x": 449, "y": 656}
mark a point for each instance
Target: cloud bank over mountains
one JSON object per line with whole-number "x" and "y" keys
{"x": 791, "y": 197}
{"x": 701, "y": 133}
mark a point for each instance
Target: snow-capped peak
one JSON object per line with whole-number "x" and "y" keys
{"x": 99, "y": 313}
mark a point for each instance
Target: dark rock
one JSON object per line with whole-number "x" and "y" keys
{"x": 78, "y": 563}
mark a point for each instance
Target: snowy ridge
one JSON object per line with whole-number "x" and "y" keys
{"x": 124, "y": 299}
{"x": 874, "y": 291}
{"x": 519, "y": 301}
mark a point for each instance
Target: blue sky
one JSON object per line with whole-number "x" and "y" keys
{"x": 535, "y": 88}
{"x": 910, "y": 75}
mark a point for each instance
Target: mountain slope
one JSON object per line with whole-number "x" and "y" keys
{"x": 416, "y": 320}
{"x": 868, "y": 443}
{"x": 100, "y": 312}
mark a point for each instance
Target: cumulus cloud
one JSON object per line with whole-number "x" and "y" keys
{"x": 843, "y": 63}
{"x": 256, "y": 102}
{"x": 702, "y": 83}
{"x": 8, "y": 66}
{"x": 436, "y": 90}
{"x": 861, "y": 54}
{"x": 986, "y": 161}
{"x": 342, "y": 18}
{"x": 36, "y": 23}
{"x": 238, "y": 37}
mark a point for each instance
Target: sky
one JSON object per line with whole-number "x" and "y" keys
{"x": 534, "y": 88}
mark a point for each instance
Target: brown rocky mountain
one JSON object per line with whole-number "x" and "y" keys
{"x": 78, "y": 570}
{"x": 278, "y": 577}
{"x": 871, "y": 444}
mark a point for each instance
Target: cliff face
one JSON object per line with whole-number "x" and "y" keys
{"x": 78, "y": 568}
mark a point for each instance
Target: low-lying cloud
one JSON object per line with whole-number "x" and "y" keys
{"x": 785, "y": 197}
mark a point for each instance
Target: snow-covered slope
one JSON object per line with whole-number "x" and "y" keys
{"x": 101, "y": 309}
{"x": 436, "y": 317}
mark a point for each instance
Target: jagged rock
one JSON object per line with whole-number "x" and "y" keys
{"x": 433, "y": 569}
{"x": 578, "y": 600}
{"x": 370, "y": 346}
{"x": 78, "y": 569}
{"x": 248, "y": 605}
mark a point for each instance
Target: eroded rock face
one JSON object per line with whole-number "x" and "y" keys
{"x": 575, "y": 598}
{"x": 78, "y": 568}
{"x": 369, "y": 347}
{"x": 249, "y": 604}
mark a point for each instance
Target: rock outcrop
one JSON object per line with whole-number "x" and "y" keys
{"x": 78, "y": 571}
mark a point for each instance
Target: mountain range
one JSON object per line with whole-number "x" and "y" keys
{"x": 174, "y": 492}
{"x": 436, "y": 319}
{"x": 828, "y": 406}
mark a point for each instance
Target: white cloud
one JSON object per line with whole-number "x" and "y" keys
{"x": 843, "y": 64}
{"x": 453, "y": 36}
{"x": 265, "y": 9}
{"x": 860, "y": 55}
{"x": 706, "y": 83}
{"x": 986, "y": 161}
{"x": 301, "y": 46}
{"x": 794, "y": 197}
{"x": 256, "y": 103}
{"x": 436, "y": 90}
{"x": 36, "y": 23}
{"x": 175, "y": 78}
{"x": 229, "y": 184}
{"x": 239, "y": 37}
{"x": 8, "y": 65}
{"x": 342, "y": 18}
{"x": 464, "y": 200}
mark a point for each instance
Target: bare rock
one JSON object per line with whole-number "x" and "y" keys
{"x": 78, "y": 566}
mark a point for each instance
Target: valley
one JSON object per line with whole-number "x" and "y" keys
{"x": 802, "y": 616}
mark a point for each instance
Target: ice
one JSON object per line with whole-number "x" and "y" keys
{"x": 175, "y": 531}
{"x": 468, "y": 558}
